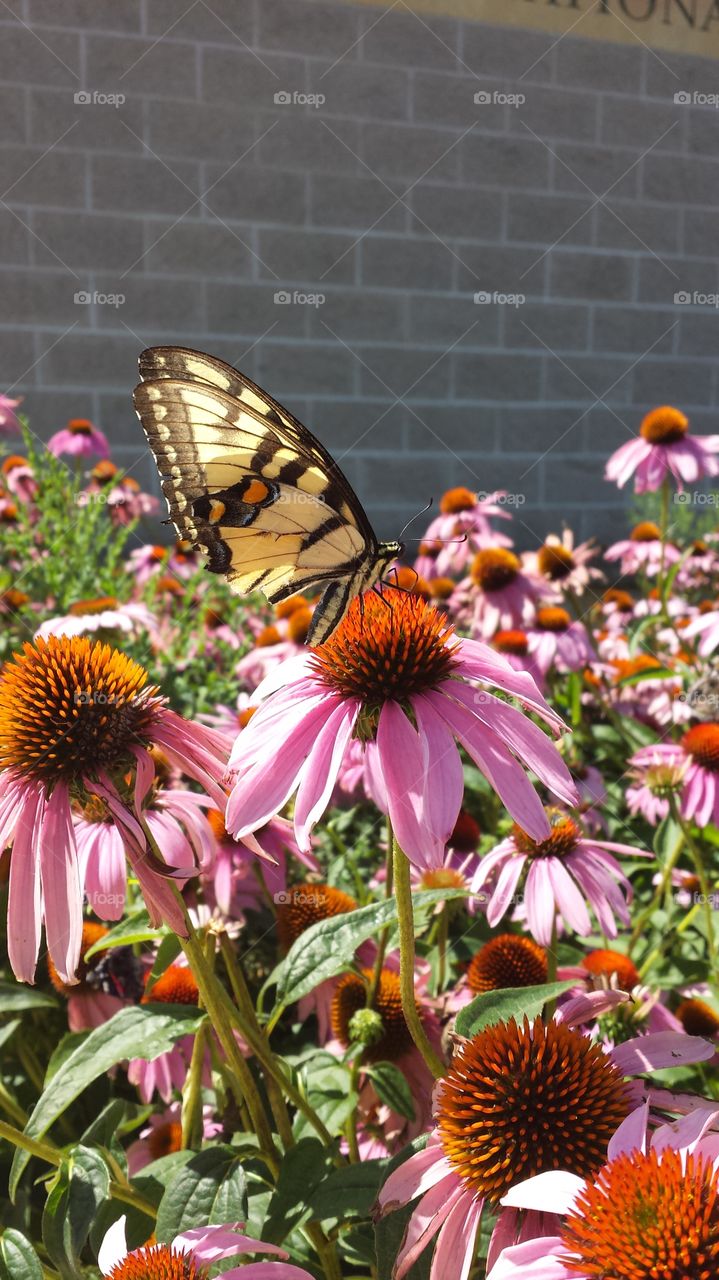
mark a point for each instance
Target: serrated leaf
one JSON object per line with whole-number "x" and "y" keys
{"x": 79, "y": 1189}
{"x": 349, "y": 1192}
{"x": 190, "y": 1194}
{"x": 325, "y": 948}
{"x": 392, "y": 1088}
{"x": 506, "y": 1003}
{"x": 15, "y": 997}
{"x": 142, "y": 1031}
{"x": 18, "y": 1259}
{"x": 303, "y": 1169}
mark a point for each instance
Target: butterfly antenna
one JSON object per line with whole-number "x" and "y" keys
{"x": 415, "y": 517}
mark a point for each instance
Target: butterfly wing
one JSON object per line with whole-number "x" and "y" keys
{"x": 249, "y": 485}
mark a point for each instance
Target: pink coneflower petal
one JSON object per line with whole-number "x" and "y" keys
{"x": 568, "y": 898}
{"x": 499, "y": 767}
{"x": 480, "y": 662}
{"x": 262, "y": 791}
{"x": 415, "y": 1176}
{"x": 320, "y": 770}
{"x": 402, "y": 761}
{"x": 444, "y": 777}
{"x": 660, "y": 1049}
{"x": 24, "y": 913}
{"x": 631, "y": 1134}
{"x": 539, "y": 901}
{"x": 624, "y": 461}
{"x": 522, "y": 736}
{"x": 455, "y": 1241}
{"x": 210, "y": 1244}
{"x": 432, "y": 1210}
{"x": 504, "y": 891}
{"x": 101, "y": 855}
{"x": 551, "y": 1192}
{"x": 61, "y": 887}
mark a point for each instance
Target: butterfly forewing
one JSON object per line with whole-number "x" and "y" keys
{"x": 249, "y": 485}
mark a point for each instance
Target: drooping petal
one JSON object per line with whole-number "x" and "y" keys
{"x": 660, "y": 1049}
{"x": 319, "y": 772}
{"x": 533, "y": 1260}
{"x": 454, "y": 1249}
{"x": 114, "y": 1246}
{"x": 570, "y": 903}
{"x": 539, "y": 901}
{"x": 24, "y": 911}
{"x": 426, "y": 1220}
{"x": 403, "y": 765}
{"x": 444, "y": 776}
{"x": 61, "y": 887}
{"x": 554, "y": 1191}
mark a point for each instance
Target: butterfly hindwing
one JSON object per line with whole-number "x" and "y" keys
{"x": 246, "y": 483}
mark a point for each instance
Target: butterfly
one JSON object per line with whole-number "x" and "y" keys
{"x": 253, "y": 489}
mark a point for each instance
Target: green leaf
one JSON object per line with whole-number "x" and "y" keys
{"x": 392, "y": 1088}
{"x": 230, "y": 1203}
{"x": 135, "y": 929}
{"x": 18, "y": 1259}
{"x": 666, "y": 837}
{"x": 506, "y": 1003}
{"x": 348, "y": 1192}
{"x": 8, "y": 1031}
{"x": 190, "y": 1194}
{"x": 142, "y": 1031}
{"x": 15, "y": 997}
{"x": 80, "y": 1187}
{"x": 326, "y": 947}
{"x": 329, "y": 1095}
{"x": 302, "y": 1170}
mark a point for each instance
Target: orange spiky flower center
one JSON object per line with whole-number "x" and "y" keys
{"x": 80, "y": 427}
{"x": 104, "y": 471}
{"x": 387, "y": 647}
{"x": 563, "y": 839}
{"x": 605, "y": 963}
{"x": 351, "y": 996}
{"x": 646, "y": 531}
{"x": 520, "y": 1100}
{"x": 623, "y": 601}
{"x": 664, "y": 425}
{"x": 555, "y": 561}
{"x": 12, "y": 461}
{"x": 513, "y": 641}
{"x": 164, "y": 1139}
{"x": 494, "y": 568}
{"x": 91, "y": 933}
{"x": 698, "y": 1018}
{"x": 507, "y": 961}
{"x": 647, "y": 1216}
{"x": 69, "y": 707}
{"x": 455, "y": 500}
{"x": 551, "y": 618}
{"x": 158, "y": 1262}
{"x": 306, "y": 904}
{"x": 176, "y": 985}
{"x": 702, "y": 743}
{"x": 624, "y": 668}
{"x": 98, "y": 605}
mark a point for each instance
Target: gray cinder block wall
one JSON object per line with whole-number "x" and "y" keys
{"x": 452, "y": 249}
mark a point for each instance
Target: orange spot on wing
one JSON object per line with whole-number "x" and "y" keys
{"x": 255, "y": 492}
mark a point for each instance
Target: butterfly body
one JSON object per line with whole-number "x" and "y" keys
{"x": 253, "y": 489}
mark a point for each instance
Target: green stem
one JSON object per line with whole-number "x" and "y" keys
{"x": 212, "y": 993}
{"x": 660, "y": 891}
{"x": 663, "y": 529}
{"x": 384, "y": 935}
{"x": 442, "y": 939}
{"x": 11, "y": 1107}
{"x": 699, "y": 867}
{"x": 53, "y": 1155}
{"x": 192, "y": 1128}
{"x": 403, "y": 895}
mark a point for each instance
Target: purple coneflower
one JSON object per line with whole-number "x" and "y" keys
{"x": 663, "y": 448}
{"x": 564, "y": 872}
{"x": 79, "y": 439}
{"x": 390, "y": 658}
{"x": 9, "y": 422}
{"x": 191, "y": 1255}
{"x": 517, "y": 1100}
{"x": 76, "y": 718}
